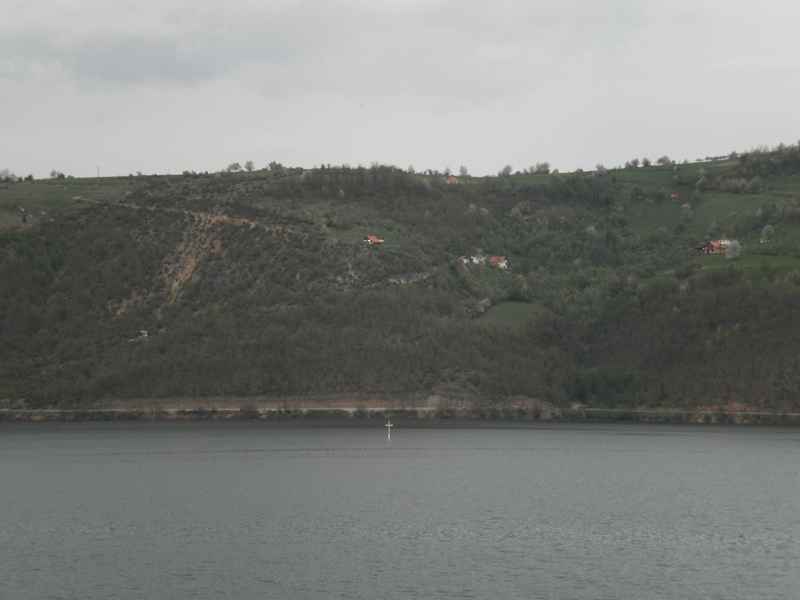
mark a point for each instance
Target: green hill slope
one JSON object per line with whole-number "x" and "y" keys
{"x": 261, "y": 285}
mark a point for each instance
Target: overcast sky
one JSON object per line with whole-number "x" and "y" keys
{"x": 163, "y": 86}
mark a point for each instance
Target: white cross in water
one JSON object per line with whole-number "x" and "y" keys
{"x": 389, "y": 429}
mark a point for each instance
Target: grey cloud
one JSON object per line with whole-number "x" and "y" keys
{"x": 434, "y": 48}
{"x": 367, "y": 79}
{"x": 138, "y": 60}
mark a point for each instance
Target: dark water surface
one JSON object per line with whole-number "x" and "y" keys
{"x": 332, "y": 509}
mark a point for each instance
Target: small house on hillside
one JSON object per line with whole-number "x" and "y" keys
{"x": 674, "y": 197}
{"x": 479, "y": 259}
{"x": 452, "y": 179}
{"x": 710, "y": 248}
{"x": 501, "y": 262}
{"x": 373, "y": 239}
{"x": 714, "y": 247}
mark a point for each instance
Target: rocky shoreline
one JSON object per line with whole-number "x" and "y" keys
{"x": 488, "y": 413}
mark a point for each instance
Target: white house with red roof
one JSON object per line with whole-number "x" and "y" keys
{"x": 501, "y": 262}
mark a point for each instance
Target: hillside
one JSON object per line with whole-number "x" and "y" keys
{"x": 260, "y": 285}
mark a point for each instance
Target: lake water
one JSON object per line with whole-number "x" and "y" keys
{"x": 332, "y": 509}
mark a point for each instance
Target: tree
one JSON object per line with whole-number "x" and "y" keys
{"x": 733, "y": 250}
{"x": 686, "y": 211}
{"x": 660, "y": 236}
{"x": 646, "y": 162}
{"x": 249, "y": 166}
{"x": 463, "y": 171}
{"x": 542, "y": 168}
{"x": 233, "y": 167}
{"x": 505, "y": 171}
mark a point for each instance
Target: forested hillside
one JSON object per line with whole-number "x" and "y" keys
{"x": 260, "y": 284}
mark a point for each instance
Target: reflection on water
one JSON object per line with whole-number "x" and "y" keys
{"x": 331, "y": 509}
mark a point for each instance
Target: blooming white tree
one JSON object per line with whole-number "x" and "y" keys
{"x": 733, "y": 251}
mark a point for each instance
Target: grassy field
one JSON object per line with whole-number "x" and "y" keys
{"x": 514, "y": 314}
{"x": 720, "y": 208}
{"x": 661, "y": 175}
{"x": 647, "y": 215}
{"x": 48, "y": 197}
